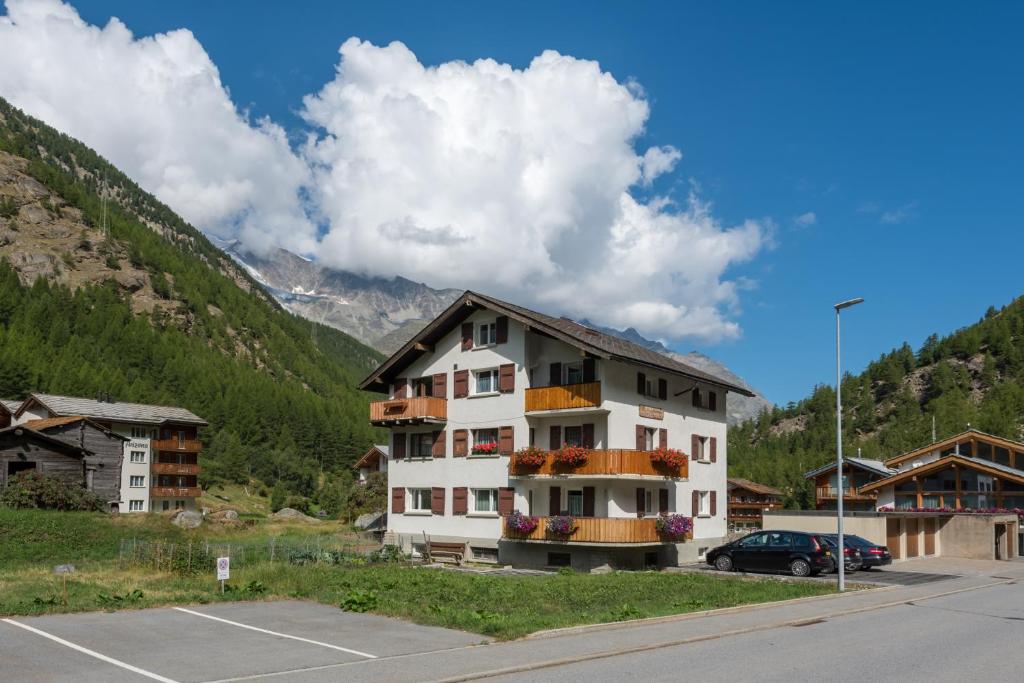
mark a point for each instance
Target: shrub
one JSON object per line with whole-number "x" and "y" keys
{"x": 530, "y": 456}
{"x": 561, "y": 525}
{"x": 34, "y": 490}
{"x": 668, "y": 457}
{"x": 572, "y": 455}
{"x": 359, "y": 601}
{"x": 520, "y": 523}
{"x": 388, "y": 553}
{"x": 674, "y": 526}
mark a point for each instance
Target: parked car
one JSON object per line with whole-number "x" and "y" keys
{"x": 871, "y": 554}
{"x": 851, "y": 552}
{"x": 796, "y": 552}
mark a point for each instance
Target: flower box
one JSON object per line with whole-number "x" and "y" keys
{"x": 669, "y": 458}
{"x": 518, "y": 523}
{"x": 572, "y": 456}
{"x": 561, "y": 525}
{"x": 485, "y": 449}
{"x": 674, "y": 526}
{"x": 531, "y": 457}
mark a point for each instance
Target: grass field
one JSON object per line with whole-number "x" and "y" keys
{"x": 500, "y": 606}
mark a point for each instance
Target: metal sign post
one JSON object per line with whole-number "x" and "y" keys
{"x": 223, "y": 571}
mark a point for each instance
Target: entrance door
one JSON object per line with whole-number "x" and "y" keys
{"x": 892, "y": 537}
{"x": 912, "y": 529}
{"x": 929, "y": 535}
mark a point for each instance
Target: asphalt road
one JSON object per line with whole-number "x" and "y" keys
{"x": 968, "y": 636}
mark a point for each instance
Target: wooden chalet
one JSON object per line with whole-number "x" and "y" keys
{"x": 748, "y": 501}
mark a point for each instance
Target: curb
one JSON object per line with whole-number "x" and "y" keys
{"x": 710, "y": 636}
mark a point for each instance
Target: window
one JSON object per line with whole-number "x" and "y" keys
{"x": 138, "y": 456}
{"x": 484, "y": 554}
{"x": 754, "y": 541}
{"x": 704, "y": 399}
{"x": 134, "y": 506}
{"x": 651, "y": 388}
{"x": 419, "y": 500}
{"x": 179, "y": 505}
{"x": 576, "y": 503}
{"x": 137, "y": 481}
{"x": 484, "y": 437}
{"x": 704, "y": 498}
{"x": 780, "y": 540}
{"x": 140, "y": 433}
{"x": 559, "y": 559}
{"x": 650, "y": 442}
{"x": 573, "y": 372}
{"x": 649, "y": 502}
{"x": 167, "y": 505}
{"x": 485, "y": 500}
{"x": 703, "y": 450}
{"x": 421, "y": 445}
{"x": 486, "y": 381}
{"x": 573, "y": 436}
{"x": 487, "y": 334}
{"x": 424, "y": 386}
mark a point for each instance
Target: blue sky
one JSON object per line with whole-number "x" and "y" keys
{"x": 896, "y": 125}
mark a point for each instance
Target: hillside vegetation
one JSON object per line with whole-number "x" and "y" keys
{"x": 974, "y": 376}
{"x": 122, "y": 296}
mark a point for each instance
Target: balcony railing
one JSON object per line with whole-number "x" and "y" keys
{"x": 824, "y": 492}
{"x": 564, "y": 397}
{"x": 408, "y": 411}
{"x": 180, "y": 445}
{"x": 597, "y": 530}
{"x": 175, "y": 492}
{"x": 186, "y": 469}
{"x": 610, "y": 462}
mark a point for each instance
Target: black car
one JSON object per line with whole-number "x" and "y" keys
{"x": 871, "y": 554}
{"x": 854, "y": 561}
{"x": 796, "y": 552}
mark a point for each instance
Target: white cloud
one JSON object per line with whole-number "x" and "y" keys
{"x": 806, "y": 220}
{"x": 900, "y": 214}
{"x": 517, "y": 182}
{"x": 155, "y": 106}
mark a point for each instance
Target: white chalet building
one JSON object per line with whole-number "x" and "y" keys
{"x": 487, "y": 379}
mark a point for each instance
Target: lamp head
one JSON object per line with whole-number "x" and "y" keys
{"x": 846, "y": 304}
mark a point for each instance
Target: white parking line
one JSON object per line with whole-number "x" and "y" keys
{"x": 276, "y": 633}
{"x": 91, "y": 653}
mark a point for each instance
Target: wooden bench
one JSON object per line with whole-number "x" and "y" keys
{"x": 437, "y": 552}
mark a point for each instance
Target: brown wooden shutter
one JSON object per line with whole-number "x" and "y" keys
{"x": 398, "y": 441}
{"x": 641, "y": 437}
{"x": 555, "y": 500}
{"x": 397, "y": 500}
{"x": 555, "y": 438}
{"x": 401, "y": 387}
{"x": 506, "y": 440}
{"x": 460, "y": 443}
{"x": 712, "y": 401}
{"x": 714, "y": 503}
{"x": 695, "y": 394}
{"x": 438, "y": 448}
{"x": 460, "y": 382}
{"x": 501, "y": 330}
{"x": 437, "y": 500}
{"x": 460, "y": 500}
{"x": 589, "y": 369}
{"x": 507, "y": 377}
{"x": 588, "y": 435}
{"x": 641, "y": 500}
{"x": 641, "y": 383}
{"x": 662, "y": 389}
{"x": 694, "y": 446}
{"x": 696, "y": 503}
{"x": 440, "y": 388}
{"x": 467, "y": 336}
{"x": 663, "y": 437}
{"x": 555, "y": 374}
{"x": 588, "y": 501}
{"x": 714, "y": 449}
{"x": 663, "y": 501}
{"x": 506, "y": 501}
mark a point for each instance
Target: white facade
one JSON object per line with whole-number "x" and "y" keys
{"x": 614, "y": 423}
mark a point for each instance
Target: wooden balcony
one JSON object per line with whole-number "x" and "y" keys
{"x": 597, "y": 530}
{"x": 180, "y": 446}
{"x": 185, "y": 469}
{"x": 566, "y": 397}
{"x": 831, "y": 493}
{"x": 175, "y": 492}
{"x": 408, "y": 411}
{"x": 603, "y": 462}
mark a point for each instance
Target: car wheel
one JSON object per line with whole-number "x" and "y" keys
{"x": 800, "y": 568}
{"x": 723, "y": 563}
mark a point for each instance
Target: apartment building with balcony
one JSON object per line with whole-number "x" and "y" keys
{"x": 857, "y": 472}
{"x": 748, "y": 501}
{"x": 160, "y": 451}
{"x": 493, "y": 409}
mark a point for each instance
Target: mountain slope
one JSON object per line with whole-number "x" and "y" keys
{"x": 123, "y": 296}
{"x": 973, "y": 376}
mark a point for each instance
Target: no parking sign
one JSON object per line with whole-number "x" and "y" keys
{"x": 223, "y": 568}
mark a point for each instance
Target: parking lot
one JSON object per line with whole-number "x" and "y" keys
{"x": 206, "y": 642}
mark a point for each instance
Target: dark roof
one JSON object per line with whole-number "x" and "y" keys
{"x": 63, "y": 406}
{"x": 587, "y": 339}
{"x": 754, "y": 486}
{"x": 50, "y": 422}
{"x": 873, "y": 466}
{"x": 9, "y": 406}
{"x": 25, "y": 432}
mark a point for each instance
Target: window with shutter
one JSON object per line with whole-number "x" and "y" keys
{"x": 401, "y": 388}
{"x": 714, "y": 449}
{"x": 460, "y": 443}
{"x": 714, "y": 503}
{"x": 460, "y": 380}
{"x": 507, "y": 378}
{"x": 663, "y": 501}
{"x": 460, "y": 500}
{"x": 440, "y": 389}
{"x": 662, "y": 389}
{"x": 506, "y": 442}
{"x": 588, "y": 435}
{"x": 589, "y": 370}
{"x": 589, "y": 500}
{"x": 398, "y": 440}
{"x": 467, "y": 336}
{"x": 554, "y": 437}
{"x": 506, "y": 501}
{"x": 641, "y": 437}
{"x": 501, "y": 330}
{"x": 662, "y": 438}
{"x": 712, "y": 401}
{"x": 695, "y": 504}
{"x": 641, "y": 384}
{"x": 437, "y": 500}
{"x": 438, "y": 448}
{"x": 555, "y": 500}
{"x": 555, "y": 375}
{"x": 397, "y": 500}
{"x": 641, "y": 501}
{"x": 695, "y": 395}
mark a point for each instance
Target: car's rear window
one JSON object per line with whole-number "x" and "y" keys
{"x": 802, "y": 541}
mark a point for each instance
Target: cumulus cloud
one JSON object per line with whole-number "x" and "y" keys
{"x": 156, "y": 108}
{"x": 517, "y": 182}
{"x": 805, "y": 220}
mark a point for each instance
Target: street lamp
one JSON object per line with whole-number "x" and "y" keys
{"x": 841, "y": 547}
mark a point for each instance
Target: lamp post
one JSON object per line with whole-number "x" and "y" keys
{"x": 841, "y": 546}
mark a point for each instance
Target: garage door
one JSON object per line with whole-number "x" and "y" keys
{"x": 911, "y": 538}
{"x": 892, "y": 537}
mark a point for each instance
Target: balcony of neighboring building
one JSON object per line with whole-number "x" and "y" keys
{"x": 409, "y": 411}
{"x": 600, "y": 462}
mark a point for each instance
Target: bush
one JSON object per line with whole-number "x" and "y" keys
{"x": 300, "y": 503}
{"x": 33, "y": 490}
{"x": 359, "y": 601}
